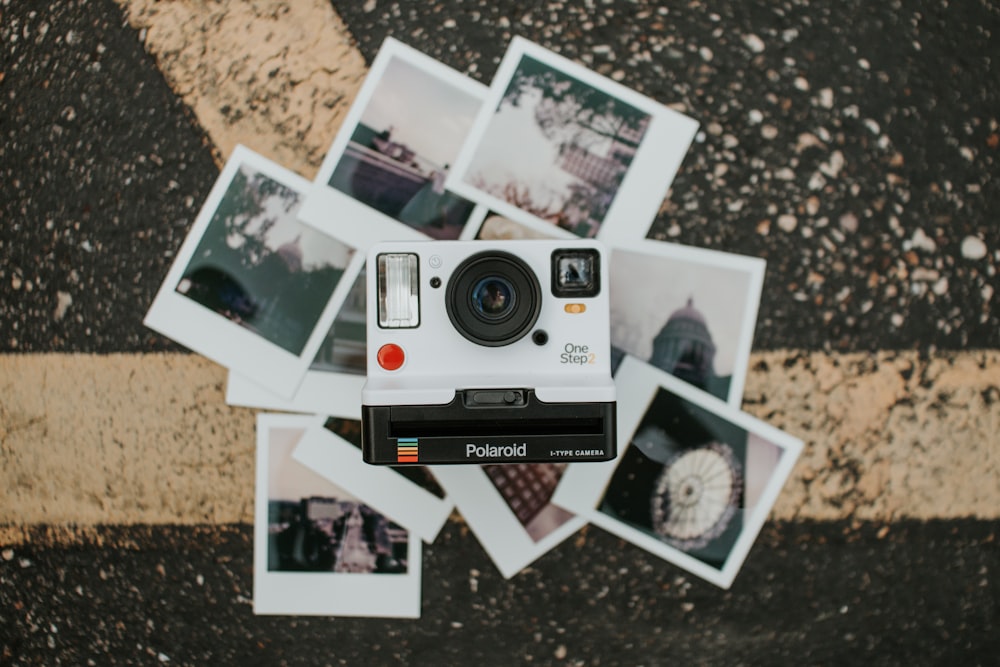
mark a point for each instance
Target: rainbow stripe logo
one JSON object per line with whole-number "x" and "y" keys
{"x": 406, "y": 450}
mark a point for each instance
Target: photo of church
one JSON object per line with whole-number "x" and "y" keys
{"x": 687, "y": 318}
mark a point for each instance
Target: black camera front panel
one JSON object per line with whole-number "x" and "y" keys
{"x": 489, "y": 426}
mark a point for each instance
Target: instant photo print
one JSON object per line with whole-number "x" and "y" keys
{"x": 252, "y": 287}
{"x": 319, "y": 549}
{"x": 688, "y": 311}
{"x": 488, "y": 353}
{"x": 332, "y": 448}
{"x": 509, "y": 508}
{"x": 385, "y": 171}
{"x": 496, "y": 227}
{"x": 332, "y": 383}
{"x": 557, "y": 146}
{"x": 695, "y": 481}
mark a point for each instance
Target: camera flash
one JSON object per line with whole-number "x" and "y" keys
{"x": 398, "y": 296}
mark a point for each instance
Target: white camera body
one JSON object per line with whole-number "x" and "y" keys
{"x": 488, "y": 352}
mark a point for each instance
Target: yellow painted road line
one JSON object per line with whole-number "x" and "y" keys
{"x": 276, "y": 76}
{"x": 888, "y": 435}
{"x": 148, "y": 439}
{"x": 122, "y": 439}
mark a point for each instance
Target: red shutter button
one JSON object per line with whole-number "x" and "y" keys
{"x": 390, "y": 356}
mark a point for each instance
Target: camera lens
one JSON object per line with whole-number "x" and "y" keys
{"x": 493, "y": 298}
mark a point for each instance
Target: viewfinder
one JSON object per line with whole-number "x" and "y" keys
{"x": 576, "y": 272}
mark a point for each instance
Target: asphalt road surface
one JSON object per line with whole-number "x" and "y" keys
{"x": 809, "y": 594}
{"x": 853, "y": 145}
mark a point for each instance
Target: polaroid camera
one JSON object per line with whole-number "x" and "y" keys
{"x": 488, "y": 352}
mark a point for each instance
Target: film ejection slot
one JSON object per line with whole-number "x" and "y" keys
{"x": 478, "y": 398}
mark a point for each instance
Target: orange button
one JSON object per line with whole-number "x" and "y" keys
{"x": 390, "y": 356}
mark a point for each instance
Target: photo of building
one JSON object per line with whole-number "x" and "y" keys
{"x": 684, "y": 317}
{"x": 399, "y": 152}
{"x": 261, "y": 268}
{"x": 319, "y": 534}
{"x": 527, "y": 489}
{"x": 557, "y": 148}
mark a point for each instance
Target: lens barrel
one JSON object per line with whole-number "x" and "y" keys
{"x": 493, "y": 298}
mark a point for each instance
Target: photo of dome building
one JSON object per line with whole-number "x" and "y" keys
{"x": 684, "y": 348}
{"x": 689, "y": 316}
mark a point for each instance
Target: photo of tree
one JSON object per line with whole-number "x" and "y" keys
{"x": 257, "y": 266}
{"x": 557, "y": 148}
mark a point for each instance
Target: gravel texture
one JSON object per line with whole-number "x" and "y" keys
{"x": 853, "y": 145}
{"x": 825, "y": 593}
{"x": 102, "y": 171}
{"x": 860, "y": 167}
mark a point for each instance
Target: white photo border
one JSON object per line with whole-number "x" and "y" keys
{"x": 384, "y": 489}
{"x": 755, "y": 269}
{"x": 324, "y": 593}
{"x": 496, "y": 527}
{"x": 216, "y": 337}
{"x": 583, "y": 484}
{"x": 320, "y": 392}
{"x": 368, "y": 226}
{"x": 647, "y": 181}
